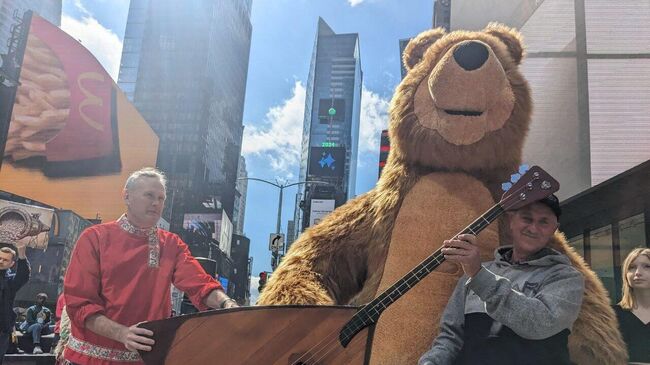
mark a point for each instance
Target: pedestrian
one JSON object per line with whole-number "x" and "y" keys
{"x": 37, "y": 321}
{"x": 517, "y": 309}
{"x": 10, "y": 282}
{"x": 633, "y": 311}
{"x": 120, "y": 274}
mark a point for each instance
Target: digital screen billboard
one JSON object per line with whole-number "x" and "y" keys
{"x": 319, "y": 209}
{"x": 331, "y": 110}
{"x": 213, "y": 225}
{"x": 327, "y": 161}
{"x": 25, "y": 225}
{"x": 203, "y": 223}
{"x": 73, "y": 136}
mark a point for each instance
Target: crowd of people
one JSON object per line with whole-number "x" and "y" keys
{"x": 517, "y": 309}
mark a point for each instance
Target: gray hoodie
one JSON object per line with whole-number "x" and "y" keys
{"x": 536, "y": 299}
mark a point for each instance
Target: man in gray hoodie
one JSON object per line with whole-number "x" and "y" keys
{"x": 517, "y": 309}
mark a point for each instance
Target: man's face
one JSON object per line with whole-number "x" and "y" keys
{"x": 532, "y": 227}
{"x": 6, "y": 260}
{"x": 145, "y": 202}
{"x": 40, "y": 300}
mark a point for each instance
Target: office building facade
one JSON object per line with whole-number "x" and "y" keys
{"x": 184, "y": 66}
{"x": 239, "y": 209}
{"x": 588, "y": 65}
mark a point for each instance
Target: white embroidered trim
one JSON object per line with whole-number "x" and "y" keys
{"x": 151, "y": 234}
{"x": 100, "y": 352}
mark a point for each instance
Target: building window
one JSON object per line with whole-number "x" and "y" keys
{"x": 602, "y": 260}
{"x": 578, "y": 243}
{"x": 631, "y": 234}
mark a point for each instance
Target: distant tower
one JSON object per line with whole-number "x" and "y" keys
{"x": 331, "y": 126}
{"x": 442, "y": 14}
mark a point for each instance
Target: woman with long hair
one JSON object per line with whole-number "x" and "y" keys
{"x": 633, "y": 311}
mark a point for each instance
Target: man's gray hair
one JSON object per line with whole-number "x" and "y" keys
{"x": 145, "y": 172}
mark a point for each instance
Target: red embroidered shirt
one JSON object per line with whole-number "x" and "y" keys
{"x": 109, "y": 274}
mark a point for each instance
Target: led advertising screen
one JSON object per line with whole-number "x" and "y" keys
{"x": 73, "y": 136}
{"x": 213, "y": 225}
{"x": 319, "y": 209}
{"x": 327, "y": 161}
{"x": 25, "y": 225}
{"x": 203, "y": 223}
{"x": 331, "y": 110}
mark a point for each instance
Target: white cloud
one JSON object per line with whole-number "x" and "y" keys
{"x": 354, "y": 3}
{"x": 280, "y": 137}
{"x": 81, "y": 7}
{"x": 255, "y": 282}
{"x": 100, "y": 41}
{"x": 374, "y": 118}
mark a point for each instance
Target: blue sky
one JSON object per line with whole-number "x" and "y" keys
{"x": 281, "y": 48}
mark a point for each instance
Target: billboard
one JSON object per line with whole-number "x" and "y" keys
{"x": 22, "y": 224}
{"x": 331, "y": 110}
{"x": 213, "y": 225}
{"x": 73, "y": 137}
{"x": 202, "y": 223}
{"x": 319, "y": 209}
{"x": 327, "y": 161}
{"x": 225, "y": 234}
{"x": 224, "y": 282}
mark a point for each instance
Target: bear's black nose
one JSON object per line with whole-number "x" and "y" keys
{"x": 471, "y": 55}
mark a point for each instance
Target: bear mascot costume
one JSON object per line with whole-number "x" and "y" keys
{"x": 457, "y": 126}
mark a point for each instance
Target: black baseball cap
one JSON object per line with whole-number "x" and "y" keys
{"x": 553, "y": 203}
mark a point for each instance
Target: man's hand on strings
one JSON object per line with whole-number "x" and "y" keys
{"x": 464, "y": 251}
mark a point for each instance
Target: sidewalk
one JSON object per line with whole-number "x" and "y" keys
{"x": 28, "y": 359}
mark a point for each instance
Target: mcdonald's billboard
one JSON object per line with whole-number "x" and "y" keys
{"x": 73, "y": 137}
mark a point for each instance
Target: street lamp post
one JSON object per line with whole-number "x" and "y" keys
{"x": 281, "y": 186}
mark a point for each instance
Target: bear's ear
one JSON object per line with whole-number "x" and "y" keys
{"x": 415, "y": 49}
{"x": 510, "y": 37}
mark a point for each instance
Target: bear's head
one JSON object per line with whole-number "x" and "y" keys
{"x": 464, "y": 105}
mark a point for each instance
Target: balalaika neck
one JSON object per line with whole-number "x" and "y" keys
{"x": 370, "y": 313}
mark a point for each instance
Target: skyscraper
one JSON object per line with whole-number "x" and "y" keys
{"x": 331, "y": 126}
{"x": 240, "y": 197}
{"x": 442, "y": 14}
{"x": 184, "y": 66}
{"x": 48, "y": 9}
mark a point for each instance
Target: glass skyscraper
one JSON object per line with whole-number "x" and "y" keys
{"x": 184, "y": 66}
{"x": 239, "y": 209}
{"x": 48, "y": 9}
{"x": 331, "y": 125}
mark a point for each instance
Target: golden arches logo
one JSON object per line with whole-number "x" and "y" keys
{"x": 90, "y": 99}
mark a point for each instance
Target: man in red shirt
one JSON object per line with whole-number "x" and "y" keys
{"x": 120, "y": 274}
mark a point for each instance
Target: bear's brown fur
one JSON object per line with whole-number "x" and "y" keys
{"x": 456, "y": 135}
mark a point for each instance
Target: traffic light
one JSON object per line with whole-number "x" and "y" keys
{"x": 263, "y": 277}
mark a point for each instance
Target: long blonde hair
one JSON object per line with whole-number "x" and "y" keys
{"x": 629, "y": 301}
